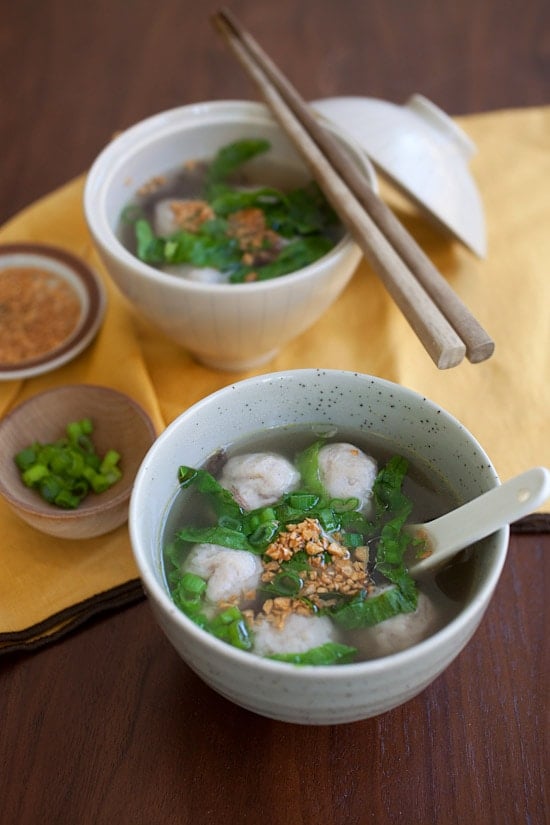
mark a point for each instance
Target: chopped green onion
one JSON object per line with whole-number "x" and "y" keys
{"x": 110, "y": 461}
{"x": 328, "y": 519}
{"x": 264, "y": 534}
{"x": 193, "y": 585}
{"x": 65, "y": 471}
{"x": 230, "y": 523}
{"x": 230, "y": 626}
{"x": 344, "y": 505}
{"x": 34, "y": 474}
{"x": 287, "y": 583}
{"x": 26, "y": 458}
{"x": 66, "y": 499}
{"x": 303, "y": 501}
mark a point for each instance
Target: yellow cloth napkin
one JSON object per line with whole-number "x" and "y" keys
{"x": 48, "y": 586}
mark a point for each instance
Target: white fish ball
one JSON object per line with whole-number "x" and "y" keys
{"x": 258, "y": 479}
{"x": 347, "y": 472}
{"x": 230, "y": 573}
{"x": 164, "y": 218}
{"x": 298, "y": 634}
{"x": 399, "y": 632}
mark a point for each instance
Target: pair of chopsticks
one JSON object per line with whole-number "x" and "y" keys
{"x": 444, "y": 325}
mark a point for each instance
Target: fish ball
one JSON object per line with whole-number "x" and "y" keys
{"x": 258, "y": 479}
{"x": 347, "y": 472}
{"x": 165, "y": 219}
{"x": 399, "y": 632}
{"x": 298, "y": 634}
{"x": 230, "y": 573}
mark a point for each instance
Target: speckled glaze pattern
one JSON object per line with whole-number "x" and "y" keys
{"x": 225, "y": 326}
{"x": 392, "y": 413}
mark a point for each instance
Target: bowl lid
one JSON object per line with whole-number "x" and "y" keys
{"x": 423, "y": 153}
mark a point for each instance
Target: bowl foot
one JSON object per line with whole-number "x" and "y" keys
{"x": 235, "y": 364}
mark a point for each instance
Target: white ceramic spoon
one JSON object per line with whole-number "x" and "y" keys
{"x": 480, "y": 517}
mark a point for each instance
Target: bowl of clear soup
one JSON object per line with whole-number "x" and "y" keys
{"x": 210, "y": 224}
{"x": 268, "y": 523}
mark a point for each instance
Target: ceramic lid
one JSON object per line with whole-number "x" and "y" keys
{"x": 423, "y": 153}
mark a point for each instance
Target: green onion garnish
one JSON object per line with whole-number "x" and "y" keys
{"x": 64, "y": 472}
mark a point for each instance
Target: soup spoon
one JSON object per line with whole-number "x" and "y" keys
{"x": 447, "y": 535}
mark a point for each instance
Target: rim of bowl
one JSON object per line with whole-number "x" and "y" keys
{"x": 91, "y": 296}
{"x": 218, "y": 647}
{"x": 152, "y": 128}
{"x": 87, "y": 509}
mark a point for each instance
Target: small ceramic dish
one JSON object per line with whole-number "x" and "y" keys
{"x": 424, "y": 154}
{"x": 51, "y": 307}
{"x": 119, "y": 423}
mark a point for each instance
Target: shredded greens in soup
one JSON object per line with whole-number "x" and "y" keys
{"x": 219, "y": 219}
{"x": 318, "y": 556}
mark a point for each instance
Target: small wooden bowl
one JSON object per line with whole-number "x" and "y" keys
{"x": 119, "y": 423}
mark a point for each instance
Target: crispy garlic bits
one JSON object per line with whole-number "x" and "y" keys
{"x": 330, "y": 568}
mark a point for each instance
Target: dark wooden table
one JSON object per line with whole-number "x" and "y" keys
{"x": 108, "y": 725}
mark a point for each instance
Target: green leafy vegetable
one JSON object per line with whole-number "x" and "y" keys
{"x": 303, "y": 216}
{"x": 392, "y": 509}
{"x": 254, "y": 531}
{"x": 286, "y": 583}
{"x": 364, "y": 610}
{"x": 296, "y": 255}
{"x": 307, "y": 463}
{"x": 225, "y": 537}
{"x": 229, "y": 158}
{"x": 308, "y": 212}
{"x": 149, "y": 248}
{"x": 331, "y": 653}
{"x": 272, "y": 201}
{"x": 229, "y": 625}
{"x": 221, "y": 499}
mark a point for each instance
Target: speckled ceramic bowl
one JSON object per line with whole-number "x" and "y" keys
{"x": 413, "y": 426}
{"x": 235, "y": 326}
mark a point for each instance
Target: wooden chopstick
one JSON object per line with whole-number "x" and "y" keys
{"x": 479, "y": 346}
{"x": 447, "y": 330}
{"x": 440, "y": 340}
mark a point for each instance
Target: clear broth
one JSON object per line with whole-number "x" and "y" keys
{"x": 186, "y": 183}
{"x": 430, "y": 496}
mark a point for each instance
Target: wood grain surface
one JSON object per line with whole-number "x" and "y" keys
{"x": 108, "y": 725}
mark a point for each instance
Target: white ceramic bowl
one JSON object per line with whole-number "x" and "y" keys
{"x": 225, "y": 326}
{"x": 424, "y": 153}
{"x": 415, "y": 427}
